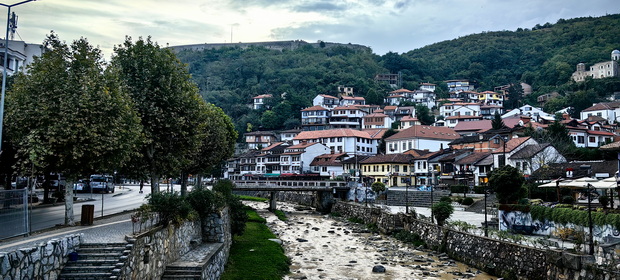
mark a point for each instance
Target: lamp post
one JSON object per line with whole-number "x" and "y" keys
{"x": 486, "y": 221}
{"x": 588, "y": 169}
{"x": 6, "y": 55}
{"x": 431, "y": 174}
{"x": 407, "y": 189}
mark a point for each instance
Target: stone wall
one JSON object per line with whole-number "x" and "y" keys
{"x": 509, "y": 260}
{"x": 44, "y": 261}
{"x": 306, "y": 198}
{"x": 413, "y": 197}
{"x": 152, "y": 251}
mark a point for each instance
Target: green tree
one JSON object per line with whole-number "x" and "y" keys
{"x": 423, "y": 113}
{"x": 507, "y": 182}
{"x": 69, "y": 116}
{"x": 442, "y": 211}
{"x": 167, "y": 102}
{"x": 497, "y": 122}
{"x": 218, "y": 136}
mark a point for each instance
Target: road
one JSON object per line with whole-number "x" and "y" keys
{"x": 126, "y": 197}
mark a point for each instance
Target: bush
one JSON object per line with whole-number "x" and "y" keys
{"x": 445, "y": 199}
{"x": 467, "y": 201}
{"x": 171, "y": 206}
{"x": 479, "y": 189}
{"x": 408, "y": 237}
{"x": 204, "y": 201}
{"x": 377, "y": 187}
{"x": 238, "y": 214}
{"x": 442, "y": 211}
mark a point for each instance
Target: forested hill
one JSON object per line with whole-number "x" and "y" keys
{"x": 544, "y": 56}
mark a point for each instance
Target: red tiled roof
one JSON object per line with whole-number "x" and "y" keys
{"x": 472, "y": 158}
{"x": 481, "y": 125}
{"x": 603, "y": 106}
{"x": 376, "y": 133}
{"x": 391, "y": 158}
{"x": 602, "y": 133}
{"x": 408, "y": 119}
{"x": 327, "y": 160}
{"x": 463, "y": 117}
{"x": 315, "y": 108}
{"x": 302, "y": 145}
{"x": 348, "y": 107}
{"x": 428, "y": 84}
{"x": 402, "y": 90}
{"x": 389, "y": 108}
{"x": 395, "y": 96}
{"x": 376, "y": 115}
{"x": 328, "y": 96}
{"x": 353, "y": 98}
{"x": 272, "y": 146}
{"x": 511, "y": 144}
{"x": 262, "y": 96}
{"x": 424, "y": 131}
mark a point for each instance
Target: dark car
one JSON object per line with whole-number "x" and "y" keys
{"x": 81, "y": 185}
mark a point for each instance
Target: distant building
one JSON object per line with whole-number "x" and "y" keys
{"x": 394, "y": 80}
{"x": 599, "y": 70}
{"x": 460, "y": 85}
{"x": 315, "y": 118}
{"x": 259, "y": 101}
{"x": 21, "y": 54}
{"x": 326, "y": 101}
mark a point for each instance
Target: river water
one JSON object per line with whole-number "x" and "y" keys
{"x": 324, "y": 247}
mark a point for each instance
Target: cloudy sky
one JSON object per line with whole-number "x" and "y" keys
{"x": 383, "y": 25}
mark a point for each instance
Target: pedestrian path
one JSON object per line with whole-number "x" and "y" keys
{"x": 111, "y": 229}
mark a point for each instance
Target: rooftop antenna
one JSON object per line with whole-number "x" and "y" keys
{"x": 231, "y": 30}
{"x": 13, "y": 25}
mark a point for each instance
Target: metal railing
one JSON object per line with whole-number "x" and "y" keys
{"x": 14, "y": 213}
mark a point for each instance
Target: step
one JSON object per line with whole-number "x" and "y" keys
{"x": 98, "y": 256}
{"x": 84, "y": 276}
{"x": 91, "y": 269}
{"x": 98, "y": 245}
{"x": 181, "y": 277}
{"x": 119, "y": 250}
{"x": 99, "y": 262}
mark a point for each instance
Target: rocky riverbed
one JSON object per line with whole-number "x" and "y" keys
{"x": 324, "y": 247}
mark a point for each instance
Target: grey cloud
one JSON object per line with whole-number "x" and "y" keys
{"x": 322, "y": 6}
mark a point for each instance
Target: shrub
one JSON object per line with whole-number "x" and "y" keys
{"x": 204, "y": 201}
{"x": 408, "y": 237}
{"x": 467, "y": 201}
{"x": 442, "y": 211}
{"x": 238, "y": 214}
{"x": 377, "y": 187}
{"x": 171, "y": 206}
{"x": 445, "y": 199}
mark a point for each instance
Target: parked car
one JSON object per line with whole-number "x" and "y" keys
{"x": 81, "y": 185}
{"x": 103, "y": 183}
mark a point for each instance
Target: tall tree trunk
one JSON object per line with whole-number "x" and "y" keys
{"x": 154, "y": 183}
{"x": 183, "y": 183}
{"x": 69, "y": 219}
{"x": 199, "y": 180}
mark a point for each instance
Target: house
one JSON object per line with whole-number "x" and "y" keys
{"x": 288, "y": 135}
{"x": 502, "y": 155}
{"x": 428, "y": 86}
{"x": 454, "y": 113}
{"x": 450, "y": 174}
{"x": 491, "y": 98}
{"x": 259, "y": 139}
{"x": 589, "y": 134}
{"x": 296, "y": 159}
{"x": 347, "y": 117}
{"x": 599, "y": 70}
{"x": 268, "y": 161}
{"x": 420, "y": 137}
{"x": 315, "y": 118}
{"x": 474, "y": 127}
{"x": 20, "y": 55}
{"x": 455, "y": 86}
{"x": 534, "y": 156}
{"x": 393, "y": 80}
{"x": 610, "y": 111}
{"x": 377, "y": 120}
{"x": 352, "y": 100}
{"x": 407, "y": 122}
{"x": 421, "y": 96}
{"x": 488, "y": 111}
{"x": 329, "y": 165}
{"x": 527, "y": 110}
{"x": 472, "y": 169}
{"x": 326, "y": 101}
{"x": 259, "y": 101}
{"x": 393, "y": 170}
{"x": 344, "y": 140}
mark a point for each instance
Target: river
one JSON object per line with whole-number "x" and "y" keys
{"x": 324, "y": 247}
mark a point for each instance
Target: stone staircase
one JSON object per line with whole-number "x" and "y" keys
{"x": 182, "y": 273}
{"x": 96, "y": 261}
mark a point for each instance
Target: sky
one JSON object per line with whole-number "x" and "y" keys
{"x": 383, "y": 25}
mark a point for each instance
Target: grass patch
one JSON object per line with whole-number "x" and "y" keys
{"x": 253, "y": 256}
{"x": 252, "y": 198}
{"x": 281, "y": 215}
{"x": 254, "y": 217}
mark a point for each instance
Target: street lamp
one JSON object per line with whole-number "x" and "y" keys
{"x": 486, "y": 221}
{"x": 588, "y": 169}
{"x": 407, "y": 189}
{"x": 6, "y": 55}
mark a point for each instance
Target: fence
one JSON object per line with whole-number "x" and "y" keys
{"x": 14, "y": 213}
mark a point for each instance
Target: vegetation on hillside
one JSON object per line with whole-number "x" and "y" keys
{"x": 543, "y": 56}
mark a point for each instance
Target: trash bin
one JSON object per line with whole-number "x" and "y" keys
{"x": 88, "y": 214}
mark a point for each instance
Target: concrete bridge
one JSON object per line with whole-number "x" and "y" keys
{"x": 325, "y": 191}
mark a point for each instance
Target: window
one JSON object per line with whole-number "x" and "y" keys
{"x": 324, "y": 169}
{"x": 580, "y": 139}
{"x": 382, "y": 168}
{"x": 396, "y": 168}
{"x": 592, "y": 139}
{"x": 404, "y": 168}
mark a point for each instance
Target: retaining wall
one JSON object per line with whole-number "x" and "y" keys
{"x": 509, "y": 260}
{"x": 153, "y": 250}
{"x": 44, "y": 261}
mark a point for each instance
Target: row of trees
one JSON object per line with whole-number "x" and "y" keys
{"x": 140, "y": 115}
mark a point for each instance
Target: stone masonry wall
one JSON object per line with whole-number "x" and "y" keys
{"x": 509, "y": 260}
{"x": 152, "y": 251}
{"x": 44, "y": 261}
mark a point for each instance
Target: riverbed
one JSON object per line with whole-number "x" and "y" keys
{"x": 325, "y": 247}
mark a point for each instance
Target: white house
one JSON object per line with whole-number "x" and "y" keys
{"x": 534, "y": 156}
{"x": 259, "y": 101}
{"x": 315, "y": 118}
{"x": 326, "y": 101}
{"x": 297, "y": 158}
{"x": 344, "y": 140}
{"x": 536, "y": 113}
{"x": 352, "y": 100}
{"x": 21, "y": 54}
{"x": 609, "y": 111}
{"x": 420, "y": 137}
{"x": 328, "y": 165}
{"x": 457, "y": 112}
{"x": 347, "y": 117}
